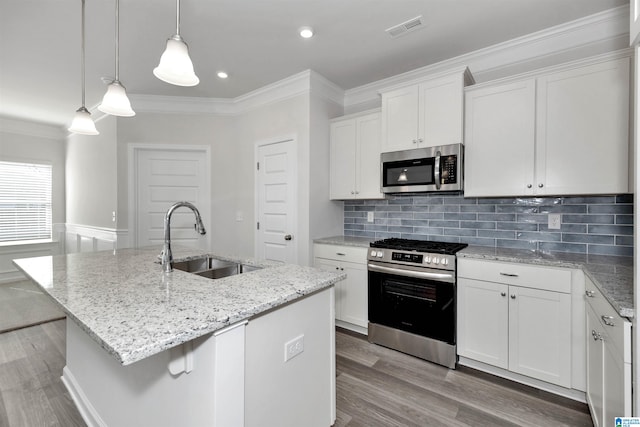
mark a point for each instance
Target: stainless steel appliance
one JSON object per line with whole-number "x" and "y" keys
{"x": 412, "y": 297}
{"x": 423, "y": 169}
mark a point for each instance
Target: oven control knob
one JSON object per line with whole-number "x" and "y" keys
{"x": 445, "y": 261}
{"x": 427, "y": 260}
{"x": 379, "y": 254}
{"x": 373, "y": 253}
{"x": 436, "y": 260}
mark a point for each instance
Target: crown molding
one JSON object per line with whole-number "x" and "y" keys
{"x": 587, "y": 36}
{"x": 181, "y": 104}
{"x": 326, "y": 89}
{"x": 29, "y": 128}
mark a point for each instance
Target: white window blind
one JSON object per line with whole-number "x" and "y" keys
{"x": 25, "y": 201}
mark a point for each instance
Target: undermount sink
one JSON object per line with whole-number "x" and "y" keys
{"x": 213, "y": 268}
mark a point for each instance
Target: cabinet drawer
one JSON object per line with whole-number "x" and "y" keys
{"x": 531, "y": 276}
{"x": 617, "y": 329}
{"x": 341, "y": 253}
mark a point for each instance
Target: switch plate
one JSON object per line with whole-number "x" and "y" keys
{"x": 113, "y": 216}
{"x": 239, "y": 216}
{"x": 293, "y": 348}
{"x": 554, "y": 221}
{"x": 369, "y": 216}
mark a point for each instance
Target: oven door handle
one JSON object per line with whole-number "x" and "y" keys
{"x": 411, "y": 273}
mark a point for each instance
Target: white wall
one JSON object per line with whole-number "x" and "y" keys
{"x": 91, "y": 177}
{"x": 24, "y": 141}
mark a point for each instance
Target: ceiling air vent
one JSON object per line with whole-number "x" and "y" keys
{"x": 406, "y": 27}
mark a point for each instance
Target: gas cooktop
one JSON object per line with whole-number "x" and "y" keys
{"x": 430, "y": 246}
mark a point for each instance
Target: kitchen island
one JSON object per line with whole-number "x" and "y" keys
{"x": 151, "y": 348}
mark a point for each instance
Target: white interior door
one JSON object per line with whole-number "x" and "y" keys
{"x": 276, "y": 176}
{"x": 162, "y": 177}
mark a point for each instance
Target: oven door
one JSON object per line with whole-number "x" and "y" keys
{"x": 416, "y": 300}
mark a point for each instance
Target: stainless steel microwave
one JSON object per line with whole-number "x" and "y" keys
{"x": 423, "y": 169}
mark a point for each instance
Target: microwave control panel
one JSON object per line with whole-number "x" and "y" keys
{"x": 449, "y": 167}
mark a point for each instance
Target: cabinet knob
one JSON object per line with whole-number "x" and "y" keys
{"x": 596, "y": 335}
{"x": 357, "y": 192}
{"x": 415, "y": 141}
{"x": 513, "y": 296}
{"x": 503, "y": 294}
{"x": 590, "y": 294}
{"x": 529, "y": 185}
{"x": 420, "y": 140}
{"x": 353, "y": 192}
{"x": 540, "y": 185}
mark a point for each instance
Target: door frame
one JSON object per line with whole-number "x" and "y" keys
{"x": 295, "y": 223}
{"x": 133, "y": 150}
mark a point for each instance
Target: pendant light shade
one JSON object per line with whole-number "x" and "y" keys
{"x": 175, "y": 65}
{"x": 115, "y": 101}
{"x": 82, "y": 122}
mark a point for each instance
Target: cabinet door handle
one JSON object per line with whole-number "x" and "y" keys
{"x": 590, "y": 294}
{"x": 608, "y": 320}
{"x": 508, "y": 274}
{"x": 513, "y": 296}
{"x": 340, "y": 254}
{"x": 529, "y": 185}
{"x": 540, "y": 185}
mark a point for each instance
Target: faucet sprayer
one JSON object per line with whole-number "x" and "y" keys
{"x": 167, "y": 256}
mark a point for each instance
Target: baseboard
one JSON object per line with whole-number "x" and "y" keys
{"x": 87, "y": 411}
{"x": 569, "y": 393}
{"x": 352, "y": 327}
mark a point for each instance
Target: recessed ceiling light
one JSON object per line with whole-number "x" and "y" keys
{"x": 306, "y": 32}
{"x": 222, "y": 75}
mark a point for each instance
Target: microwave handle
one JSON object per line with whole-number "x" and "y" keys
{"x": 436, "y": 168}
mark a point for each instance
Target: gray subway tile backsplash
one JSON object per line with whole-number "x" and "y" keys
{"x": 600, "y": 225}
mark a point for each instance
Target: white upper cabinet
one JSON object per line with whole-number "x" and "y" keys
{"x": 563, "y": 132}
{"x": 426, "y": 113}
{"x": 355, "y": 157}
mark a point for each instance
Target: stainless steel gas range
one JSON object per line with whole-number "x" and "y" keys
{"x": 412, "y": 297}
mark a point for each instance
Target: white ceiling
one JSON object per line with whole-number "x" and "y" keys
{"x": 255, "y": 41}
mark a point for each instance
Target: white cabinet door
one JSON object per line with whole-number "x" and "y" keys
{"x": 354, "y": 295}
{"x": 613, "y": 385}
{"x": 343, "y": 160}
{"x": 595, "y": 366}
{"x": 540, "y": 334}
{"x": 400, "y": 119}
{"x": 582, "y": 130}
{"x": 441, "y": 111}
{"x": 368, "y": 157}
{"x": 499, "y": 140}
{"x": 483, "y": 329}
{"x": 332, "y": 265}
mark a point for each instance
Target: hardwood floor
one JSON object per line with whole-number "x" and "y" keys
{"x": 375, "y": 386}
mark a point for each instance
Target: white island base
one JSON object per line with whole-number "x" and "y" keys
{"x": 236, "y": 376}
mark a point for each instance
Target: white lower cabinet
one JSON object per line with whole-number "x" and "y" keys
{"x": 608, "y": 360}
{"x": 516, "y": 317}
{"x": 352, "y": 293}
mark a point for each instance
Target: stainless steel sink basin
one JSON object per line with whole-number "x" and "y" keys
{"x": 213, "y": 268}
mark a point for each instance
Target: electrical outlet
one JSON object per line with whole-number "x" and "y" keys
{"x": 293, "y": 348}
{"x": 113, "y": 216}
{"x": 369, "y": 216}
{"x": 554, "y": 220}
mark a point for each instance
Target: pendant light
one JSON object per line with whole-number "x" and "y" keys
{"x": 82, "y": 122}
{"x": 115, "y": 101}
{"x": 175, "y": 65}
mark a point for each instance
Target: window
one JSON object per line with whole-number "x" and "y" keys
{"x": 25, "y": 201}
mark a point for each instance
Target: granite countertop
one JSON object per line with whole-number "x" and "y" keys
{"x": 611, "y": 274}
{"x": 126, "y": 303}
{"x": 346, "y": 241}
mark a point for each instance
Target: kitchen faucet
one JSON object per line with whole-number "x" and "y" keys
{"x": 166, "y": 255}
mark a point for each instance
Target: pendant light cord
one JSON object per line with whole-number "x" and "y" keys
{"x": 117, "y": 40}
{"x": 82, "y": 56}
{"x": 178, "y": 17}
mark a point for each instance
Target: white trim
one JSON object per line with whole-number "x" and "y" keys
{"x": 132, "y": 154}
{"x": 296, "y": 222}
{"x": 86, "y": 409}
